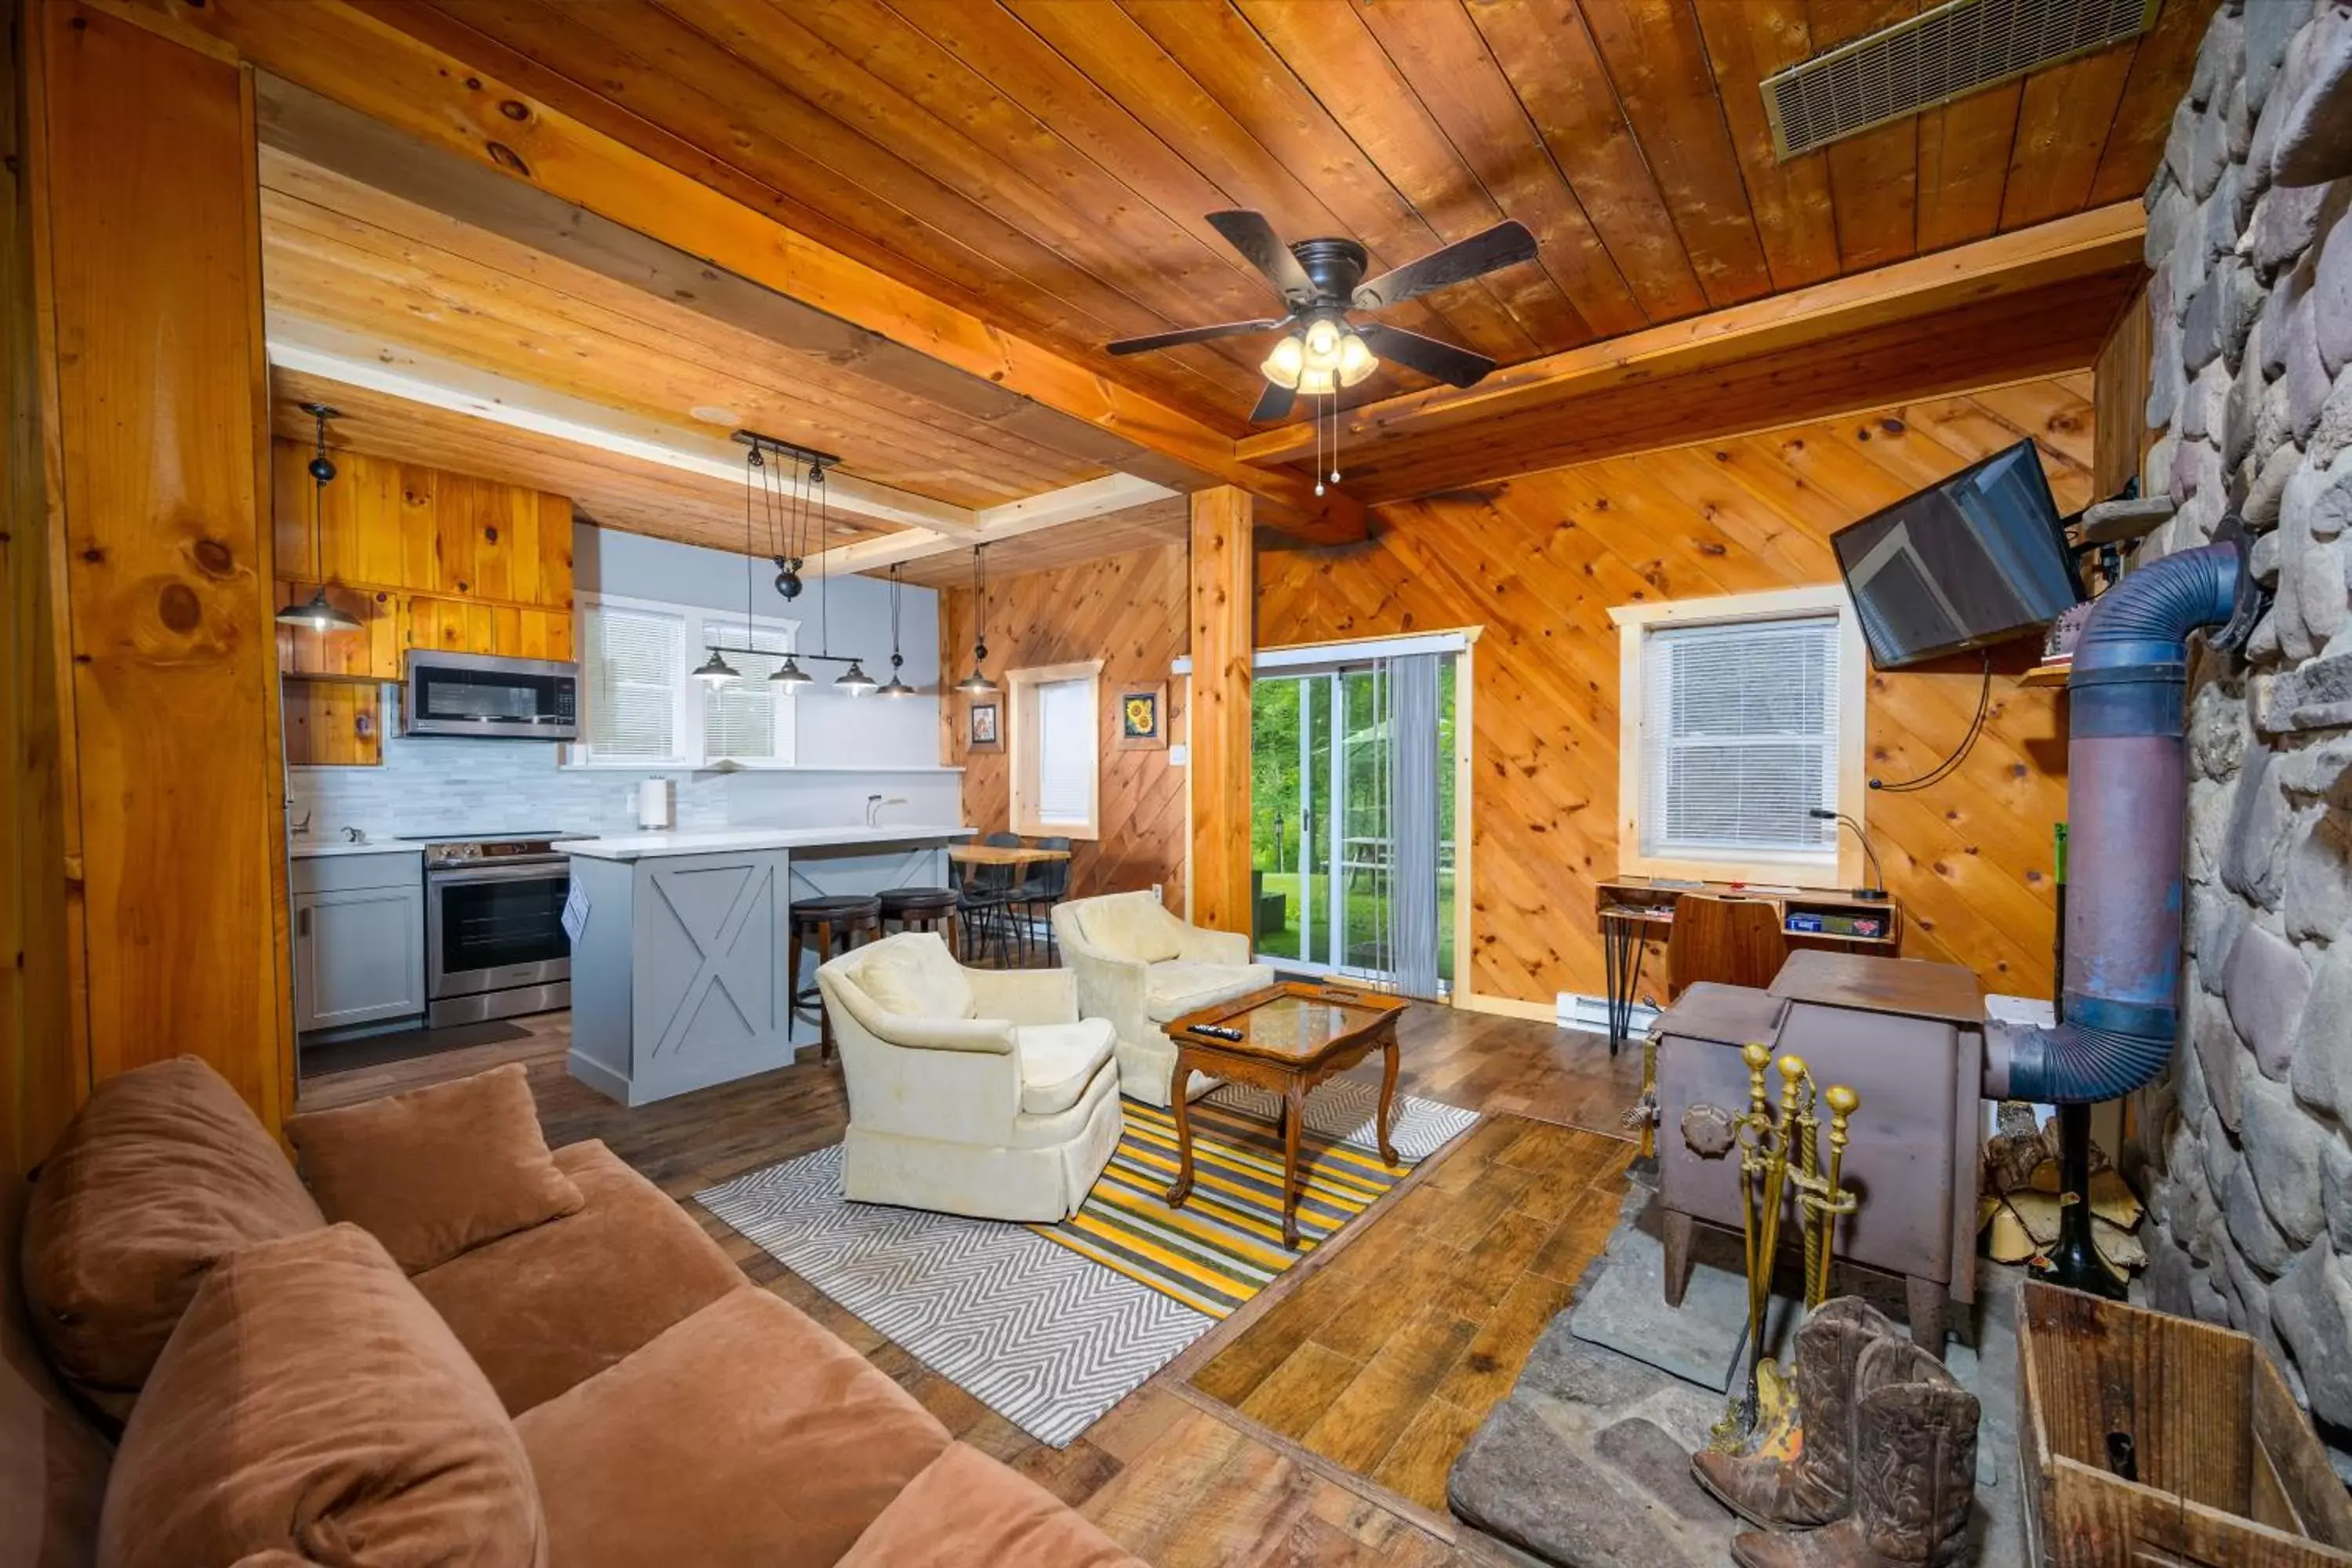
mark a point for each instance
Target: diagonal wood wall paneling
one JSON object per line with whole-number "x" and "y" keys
{"x": 1538, "y": 560}
{"x": 1129, "y": 611}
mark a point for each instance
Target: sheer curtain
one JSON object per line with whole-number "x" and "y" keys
{"x": 1411, "y": 685}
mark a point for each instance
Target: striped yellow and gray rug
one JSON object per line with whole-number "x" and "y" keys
{"x": 1224, "y": 1244}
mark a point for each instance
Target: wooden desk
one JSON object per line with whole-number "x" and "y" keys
{"x": 1003, "y": 855}
{"x": 1631, "y": 910}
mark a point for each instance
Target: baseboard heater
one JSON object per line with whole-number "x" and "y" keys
{"x": 1577, "y": 1011}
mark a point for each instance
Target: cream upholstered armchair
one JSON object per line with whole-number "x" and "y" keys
{"x": 972, "y": 1091}
{"x": 1139, "y": 966}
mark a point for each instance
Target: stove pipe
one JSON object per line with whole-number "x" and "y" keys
{"x": 2126, "y": 800}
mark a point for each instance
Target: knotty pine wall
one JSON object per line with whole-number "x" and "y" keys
{"x": 1129, "y": 611}
{"x": 1538, "y": 560}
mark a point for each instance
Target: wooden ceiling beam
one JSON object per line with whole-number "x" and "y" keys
{"x": 354, "y": 58}
{"x": 320, "y": 131}
{"x": 2063, "y": 250}
{"x": 1096, "y": 500}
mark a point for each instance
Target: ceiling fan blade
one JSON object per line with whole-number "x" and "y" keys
{"x": 1249, "y": 233}
{"x": 1427, "y": 355}
{"x": 1193, "y": 335}
{"x": 1275, "y": 404}
{"x": 1505, "y": 245}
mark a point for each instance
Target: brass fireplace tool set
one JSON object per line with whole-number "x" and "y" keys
{"x": 1789, "y": 1148}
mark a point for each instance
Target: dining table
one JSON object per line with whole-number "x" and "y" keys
{"x": 1012, "y": 860}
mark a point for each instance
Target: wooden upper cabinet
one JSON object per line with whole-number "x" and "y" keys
{"x": 408, "y": 529}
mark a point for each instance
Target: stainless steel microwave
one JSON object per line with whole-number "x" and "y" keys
{"x": 490, "y": 698}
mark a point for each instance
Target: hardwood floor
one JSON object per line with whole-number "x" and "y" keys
{"x": 1388, "y": 1359}
{"x": 1313, "y": 1428}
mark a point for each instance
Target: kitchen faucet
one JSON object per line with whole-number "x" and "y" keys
{"x": 873, "y": 804}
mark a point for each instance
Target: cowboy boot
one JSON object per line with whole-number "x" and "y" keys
{"x": 1914, "y": 1435}
{"x": 1814, "y": 1488}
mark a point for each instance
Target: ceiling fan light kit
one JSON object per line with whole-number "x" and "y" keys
{"x": 1320, "y": 281}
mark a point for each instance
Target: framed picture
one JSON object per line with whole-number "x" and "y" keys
{"x": 1143, "y": 718}
{"x": 982, "y": 735}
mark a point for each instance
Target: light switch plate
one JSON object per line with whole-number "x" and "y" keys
{"x": 1176, "y": 755}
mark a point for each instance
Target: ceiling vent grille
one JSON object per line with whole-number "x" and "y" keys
{"x": 1939, "y": 54}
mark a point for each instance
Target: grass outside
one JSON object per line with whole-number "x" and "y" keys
{"x": 1363, "y": 915}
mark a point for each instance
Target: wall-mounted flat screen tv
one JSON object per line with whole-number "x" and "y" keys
{"x": 1978, "y": 559}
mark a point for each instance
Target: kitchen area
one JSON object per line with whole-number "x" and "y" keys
{"x": 515, "y": 806}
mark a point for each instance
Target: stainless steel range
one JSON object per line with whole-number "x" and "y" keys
{"x": 494, "y": 942}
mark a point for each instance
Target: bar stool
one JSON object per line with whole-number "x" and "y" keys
{"x": 922, "y": 909}
{"x": 814, "y": 921}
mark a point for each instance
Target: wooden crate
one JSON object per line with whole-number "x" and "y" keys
{"x": 2230, "y": 1471}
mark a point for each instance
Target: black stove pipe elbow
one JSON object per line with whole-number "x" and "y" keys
{"x": 2126, "y": 801}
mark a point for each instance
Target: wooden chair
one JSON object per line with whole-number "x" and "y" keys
{"x": 1733, "y": 942}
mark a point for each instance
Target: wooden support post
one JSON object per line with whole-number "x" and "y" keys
{"x": 1224, "y": 582}
{"x": 146, "y": 229}
{"x": 2120, "y": 435}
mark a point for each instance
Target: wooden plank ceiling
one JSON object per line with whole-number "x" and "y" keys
{"x": 399, "y": 279}
{"x": 1046, "y": 163}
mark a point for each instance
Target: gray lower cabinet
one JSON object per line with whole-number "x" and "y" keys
{"x": 359, "y": 940}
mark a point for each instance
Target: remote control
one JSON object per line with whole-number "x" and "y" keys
{"x": 1218, "y": 1031}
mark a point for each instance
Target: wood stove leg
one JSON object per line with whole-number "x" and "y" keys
{"x": 1923, "y": 1302}
{"x": 1678, "y": 1255}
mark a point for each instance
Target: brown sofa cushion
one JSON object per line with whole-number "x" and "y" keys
{"x": 967, "y": 1509}
{"x": 163, "y": 1173}
{"x": 745, "y": 1431}
{"x": 437, "y": 1171}
{"x": 311, "y": 1403}
{"x": 552, "y": 1306}
{"x": 53, "y": 1462}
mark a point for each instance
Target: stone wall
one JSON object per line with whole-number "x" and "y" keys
{"x": 2248, "y": 1164}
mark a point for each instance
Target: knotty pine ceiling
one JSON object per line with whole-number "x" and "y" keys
{"x": 1045, "y": 164}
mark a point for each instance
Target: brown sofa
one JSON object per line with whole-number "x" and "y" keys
{"x": 602, "y": 1387}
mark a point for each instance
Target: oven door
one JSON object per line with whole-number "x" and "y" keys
{"x": 494, "y": 927}
{"x": 488, "y": 698}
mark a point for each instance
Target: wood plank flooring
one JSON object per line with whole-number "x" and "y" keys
{"x": 1313, "y": 1428}
{"x": 1385, "y": 1361}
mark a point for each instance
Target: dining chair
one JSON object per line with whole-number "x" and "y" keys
{"x": 1047, "y": 885}
{"x": 982, "y": 899}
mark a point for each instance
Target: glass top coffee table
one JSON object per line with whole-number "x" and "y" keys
{"x": 1292, "y": 1036}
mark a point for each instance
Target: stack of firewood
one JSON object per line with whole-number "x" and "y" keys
{"x": 2019, "y": 1212}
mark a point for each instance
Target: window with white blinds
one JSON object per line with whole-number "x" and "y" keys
{"x": 1058, "y": 750}
{"x": 631, "y": 661}
{"x": 750, "y": 719}
{"x": 1066, "y": 752}
{"x": 642, "y": 705}
{"x": 1739, "y": 740}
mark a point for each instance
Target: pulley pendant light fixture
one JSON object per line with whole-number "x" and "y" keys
{"x": 897, "y": 686}
{"x": 977, "y": 683}
{"x": 318, "y": 614}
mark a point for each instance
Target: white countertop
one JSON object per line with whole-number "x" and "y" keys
{"x": 326, "y": 848}
{"x": 720, "y": 840}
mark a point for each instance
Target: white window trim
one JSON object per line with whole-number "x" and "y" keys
{"x": 1635, "y": 623}
{"x": 704, "y": 625}
{"x": 1020, "y": 696}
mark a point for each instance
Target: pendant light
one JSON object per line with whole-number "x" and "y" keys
{"x": 320, "y": 615}
{"x": 977, "y": 683}
{"x": 897, "y": 686}
{"x": 715, "y": 671}
{"x": 852, "y": 681}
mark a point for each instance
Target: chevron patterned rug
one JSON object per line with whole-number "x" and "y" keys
{"x": 1045, "y": 1332}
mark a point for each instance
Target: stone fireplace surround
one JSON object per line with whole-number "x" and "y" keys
{"x": 2243, "y": 1150}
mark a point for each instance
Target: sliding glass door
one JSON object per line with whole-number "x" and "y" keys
{"x": 1325, "y": 827}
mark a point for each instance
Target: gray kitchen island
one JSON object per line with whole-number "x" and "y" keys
{"x": 679, "y": 970}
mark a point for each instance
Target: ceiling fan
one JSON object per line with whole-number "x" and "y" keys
{"x": 1320, "y": 281}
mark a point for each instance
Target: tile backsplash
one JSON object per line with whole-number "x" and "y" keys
{"x": 437, "y": 784}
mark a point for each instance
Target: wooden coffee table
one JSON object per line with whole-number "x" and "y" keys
{"x": 1294, "y": 1036}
